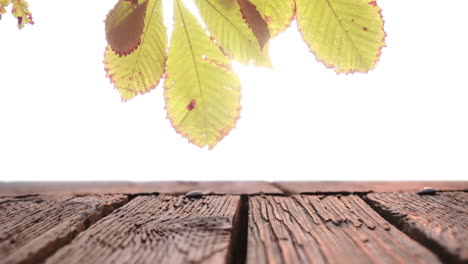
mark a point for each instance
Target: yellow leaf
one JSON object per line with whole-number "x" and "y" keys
{"x": 124, "y": 26}
{"x": 277, "y": 13}
{"x": 344, "y": 34}
{"x": 202, "y": 92}
{"x": 3, "y": 4}
{"x": 141, "y": 70}
{"x": 21, "y": 12}
{"x": 231, "y": 32}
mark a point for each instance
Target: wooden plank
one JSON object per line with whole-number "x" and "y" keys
{"x": 212, "y": 187}
{"x": 325, "y": 229}
{"x": 162, "y": 229}
{"x": 169, "y": 187}
{"x": 28, "y": 188}
{"x": 438, "y": 221}
{"x": 33, "y": 227}
{"x": 312, "y": 187}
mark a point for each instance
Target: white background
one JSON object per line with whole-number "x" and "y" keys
{"x": 61, "y": 119}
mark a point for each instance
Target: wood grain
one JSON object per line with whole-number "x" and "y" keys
{"x": 325, "y": 229}
{"x": 169, "y": 187}
{"x": 438, "y": 221}
{"x": 33, "y": 227}
{"x": 162, "y": 229}
{"x": 312, "y": 187}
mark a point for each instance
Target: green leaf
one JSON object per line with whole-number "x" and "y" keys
{"x": 277, "y": 13}
{"x": 21, "y": 12}
{"x": 124, "y": 26}
{"x": 231, "y": 32}
{"x": 141, "y": 70}
{"x": 202, "y": 92}
{"x": 344, "y": 34}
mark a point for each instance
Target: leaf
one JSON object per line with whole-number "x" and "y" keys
{"x": 124, "y": 26}
{"x": 3, "y": 4}
{"x": 255, "y": 21}
{"x": 141, "y": 70}
{"x": 21, "y": 12}
{"x": 226, "y": 25}
{"x": 202, "y": 92}
{"x": 344, "y": 34}
{"x": 278, "y": 14}
{"x": 227, "y": 3}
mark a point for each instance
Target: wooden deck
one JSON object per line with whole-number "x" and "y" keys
{"x": 234, "y": 222}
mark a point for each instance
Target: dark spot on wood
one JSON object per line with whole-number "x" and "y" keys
{"x": 428, "y": 191}
{"x": 194, "y": 194}
{"x": 364, "y": 28}
{"x": 192, "y": 105}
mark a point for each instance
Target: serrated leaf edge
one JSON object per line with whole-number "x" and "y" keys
{"x": 332, "y": 66}
{"x": 127, "y": 52}
{"x": 150, "y": 88}
{"x": 222, "y": 132}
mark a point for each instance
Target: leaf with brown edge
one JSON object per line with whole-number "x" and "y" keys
{"x": 256, "y": 23}
{"x": 346, "y": 35}
{"x": 229, "y": 30}
{"x": 201, "y": 90}
{"x": 21, "y": 12}
{"x": 125, "y": 24}
{"x": 278, "y": 14}
{"x": 3, "y": 4}
{"x": 141, "y": 70}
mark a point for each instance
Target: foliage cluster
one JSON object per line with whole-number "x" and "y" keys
{"x": 201, "y": 90}
{"x": 19, "y": 10}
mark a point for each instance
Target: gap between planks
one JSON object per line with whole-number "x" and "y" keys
{"x": 439, "y": 222}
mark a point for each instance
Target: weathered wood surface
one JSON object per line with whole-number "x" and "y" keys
{"x": 438, "y": 221}
{"x": 162, "y": 229}
{"x": 28, "y": 188}
{"x": 325, "y": 229}
{"x": 209, "y": 187}
{"x": 367, "y": 186}
{"x": 33, "y": 227}
{"x": 170, "y": 187}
